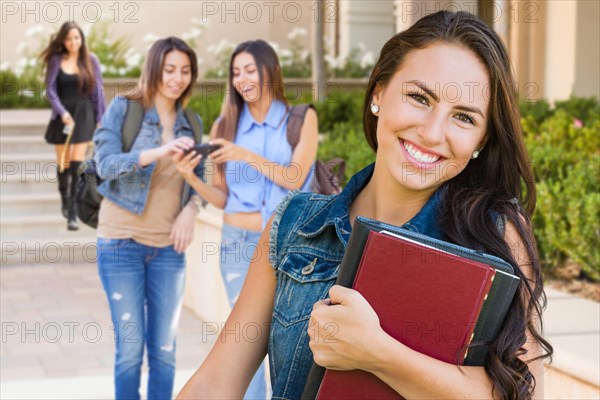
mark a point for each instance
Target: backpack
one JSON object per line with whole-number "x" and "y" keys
{"x": 87, "y": 198}
{"x": 329, "y": 174}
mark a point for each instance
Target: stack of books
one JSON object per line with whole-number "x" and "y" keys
{"x": 433, "y": 296}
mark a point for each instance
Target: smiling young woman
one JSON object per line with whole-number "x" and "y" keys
{"x": 253, "y": 163}
{"x": 442, "y": 115}
{"x": 74, "y": 89}
{"x": 146, "y": 219}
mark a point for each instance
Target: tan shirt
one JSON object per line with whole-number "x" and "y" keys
{"x": 153, "y": 226}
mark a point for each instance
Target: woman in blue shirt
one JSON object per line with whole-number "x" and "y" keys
{"x": 441, "y": 112}
{"x": 256, "y": 166}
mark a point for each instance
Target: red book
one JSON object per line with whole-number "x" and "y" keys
{"x": 426, "y": 298}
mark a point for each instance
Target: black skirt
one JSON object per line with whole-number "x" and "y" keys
{"x": 78, "y": 105}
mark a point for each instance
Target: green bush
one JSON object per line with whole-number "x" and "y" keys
{"x": 21, "y": 92}
{"x": 565, "y": 156}
{"x": 340, "y": 107}
{"x": 347, "y": 140}
{"x": 535, "y": 111}
{"x": 208, "y": 107}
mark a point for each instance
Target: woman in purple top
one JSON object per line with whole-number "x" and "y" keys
{"x": 74, "y": 89}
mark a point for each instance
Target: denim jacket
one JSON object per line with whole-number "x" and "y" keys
{"x": 307, "y": 242}
{"x": 125, "y": 182}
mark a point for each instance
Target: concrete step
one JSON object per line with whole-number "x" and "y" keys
{"x": 78, "y": 249}
{"x": 23, "y": 228}
{"x": 36, "y": 165}
{"x": 24, "y": 144}
{"x": 31, "y": 204}
{"x": 24, "y": 122}
{"x": 44, "y": 182}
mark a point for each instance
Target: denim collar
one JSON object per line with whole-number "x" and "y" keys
{"x": 336, "y": 212}
{"x": 273, "y": 118}
{"x": 151, "y": 116}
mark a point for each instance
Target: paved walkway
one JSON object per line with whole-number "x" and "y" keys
{"x": 57, "y": 340}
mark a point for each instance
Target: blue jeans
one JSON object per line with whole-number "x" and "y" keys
{"x": 144, "y": 286}
{"x": 237, "y": 248}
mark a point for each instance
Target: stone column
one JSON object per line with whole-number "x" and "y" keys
{"x": 368, "y": 22}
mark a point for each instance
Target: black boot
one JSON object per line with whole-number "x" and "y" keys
{"x": 63, "y": 189}
{"x": 72, "y": 223}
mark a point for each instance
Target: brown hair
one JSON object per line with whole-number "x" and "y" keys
{"x": 266, "y": 62}
{"x": 151, "y": 76}
{"x": 85, "y": 77}
{"x": 498, "y": 180}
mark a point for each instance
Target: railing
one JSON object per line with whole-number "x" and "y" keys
{"x": 294, "y": 87}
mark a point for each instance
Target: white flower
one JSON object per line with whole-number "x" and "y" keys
{"x": 296, "y": 33}
{"x": 21, "y": 47}
{"x": 34, "y": 30}
{"x": 132, "y": 59}
{"x": 150, "y": 38}
{"x": 361, "y": 47}
{"x": 335, "y": 63}
{"x": 102, "y": 68}
{"x": 121, "y": 71}
{"x": 22, "y": 63}
{"x": 27, "y": 92}
{"x": 195, "y": 32}
{"x": 367, "y": 60}
{"x": 286, "y": 53}
{"x": 304, "y": 55}
{"x": 5, "y": 66}
{"x": 223, "y": 46}
{"x": 330, "y": 60}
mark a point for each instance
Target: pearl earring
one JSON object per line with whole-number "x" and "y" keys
{"x": 374, "y": 108}
{"x": 475, "y": 154}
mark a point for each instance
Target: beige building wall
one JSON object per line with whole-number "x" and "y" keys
{"x": 553, "y": 44}
{"x": 235, "y": 21}
{"x": 561, "y": 35}
{"x": 368, "y": 23}
{"x": 587, "y": 49}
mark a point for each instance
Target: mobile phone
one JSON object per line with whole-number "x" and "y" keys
{"x": 68, "y": 129}
{"x": 203, "y": 148}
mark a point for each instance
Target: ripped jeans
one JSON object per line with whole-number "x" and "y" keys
{"x": 144, "y": 286}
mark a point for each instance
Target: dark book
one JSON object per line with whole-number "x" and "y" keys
{"x": 433, "y": 296}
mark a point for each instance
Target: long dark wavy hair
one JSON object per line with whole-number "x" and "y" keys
{"x": 151, "y": 76}
{"x": 500, "y": 179}
{"x": 267, "y": 63}
{"x": 85, "y": 77}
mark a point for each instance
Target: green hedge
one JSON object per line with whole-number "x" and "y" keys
{"x": 339, "y": 107}
{"x": 565, "y": 154}
{"x": 21, "y": 92}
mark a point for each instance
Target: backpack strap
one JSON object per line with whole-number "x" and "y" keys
{"x": 194, "y": 123}
{"x": 132, "y": 123}
{"x": 295, "y": 121}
